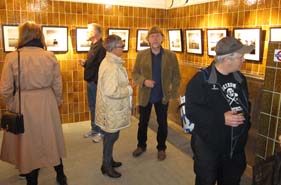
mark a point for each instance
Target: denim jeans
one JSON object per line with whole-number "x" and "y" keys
{"x": 108, "y": 142}
{"x": 92, "y": 93}
{"x": 162, "y": 133}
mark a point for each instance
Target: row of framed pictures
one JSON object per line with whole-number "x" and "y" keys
{"x": 56, "y": 39}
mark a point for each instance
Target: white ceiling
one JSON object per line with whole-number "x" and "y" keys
{"x": 163, "y": 4}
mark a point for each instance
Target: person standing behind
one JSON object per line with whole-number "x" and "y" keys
{"x": 42, "y": 143}
{"x": 113, "y": 111}
{"x": 91, "y": 65}
{"x": 157, "y": 74}
{"x": 217, "y": 103}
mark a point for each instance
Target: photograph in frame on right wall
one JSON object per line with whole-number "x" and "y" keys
{"x": 275, "y": 34}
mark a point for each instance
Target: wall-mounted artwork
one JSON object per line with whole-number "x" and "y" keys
{"x": 56, "y": 38}
{"x": 250, "y": 37}
{"x": 123, "y": 33}
{"x": 275, "y": 34}
{"x": 142, "y": 43}
{"x": 10, "y": 37}
{"x": 82, "y": 43}
{"x": 213, "y": 36}
{"x": 194, "y": 41}
{"x": 175, "y": 40}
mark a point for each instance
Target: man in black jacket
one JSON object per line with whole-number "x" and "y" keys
{"x": 95, "y": 56}
{"x": 217, "y": 103}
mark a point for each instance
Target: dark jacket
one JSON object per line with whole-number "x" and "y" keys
{"x": 206, "y": 105}
{"x": 95, "y": 56}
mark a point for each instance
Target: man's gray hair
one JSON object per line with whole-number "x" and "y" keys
{"x": 220, "y": 58}
{"x": 96, "y": 27}
{"x": 111, "y": 42}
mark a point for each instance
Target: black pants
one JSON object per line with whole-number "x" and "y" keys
{"x": 161, "y": 113}
{"x": 108, "y": 142}
{"x": 211, "y": 167}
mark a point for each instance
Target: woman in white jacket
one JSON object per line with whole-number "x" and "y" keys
{"x": 113, "y": 101}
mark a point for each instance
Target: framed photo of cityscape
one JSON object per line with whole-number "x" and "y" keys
{"x": 175, "y": 40}
{"x": 250, "y": 37}
{"x": 213, "y": 36}
{"x": 194, "y": 41}
{"x": 10, "y": 35}
{"x": 123, "y": 33}
{"x": 56, "y": 38}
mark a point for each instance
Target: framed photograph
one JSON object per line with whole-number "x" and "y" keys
{"x": 142, "y": 43}
{"x": 10, "y": 37}
{"x": 175, "y": 40}
{"x": 213, "y": 36}
{"x": 82, "y": 43}
{"x": 56, "y": 38}
{"x": 194, "y": 41}
{"x": 250, "y": 36}
{"x": 123, "y": 33}
{"x": 274, "y": 34}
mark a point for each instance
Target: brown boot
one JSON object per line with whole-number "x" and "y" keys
{"x": 161, "y": 155}
{"x": 138, "y": 152}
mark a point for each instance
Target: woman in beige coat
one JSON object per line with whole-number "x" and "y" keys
{"x": 42, "y": 143}
{"x": 113, "y": 101}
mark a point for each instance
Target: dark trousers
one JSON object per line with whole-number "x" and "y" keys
{"x": 108, "y": 142}
{"x": 211, "y": 167}
{"x": 161, "y": 113}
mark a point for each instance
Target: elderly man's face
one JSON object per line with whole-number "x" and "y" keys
{"x": 155, "y": 40}
{"x": 236, "y": 61}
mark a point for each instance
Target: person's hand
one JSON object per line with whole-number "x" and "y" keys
{"x": 149, "y": 83}
{"x": 81, "y": 62}
{"x": 132, "y": 83}
{"x": 233, "y": 119}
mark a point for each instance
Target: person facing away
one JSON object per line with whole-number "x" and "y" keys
{"x": 217, "y": 103}
{"x": 156, "y": 72}
{"x": 91, "y": 67}
{"x": 113, "y": 111}
{"x": 42, "y": 143}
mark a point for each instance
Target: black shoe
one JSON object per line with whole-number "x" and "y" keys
{"x": 62, "y": 179}
{"x": 116, "y": 164}
{"x": 110, "y": 172}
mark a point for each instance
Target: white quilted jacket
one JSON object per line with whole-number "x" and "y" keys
{"x": 113, "y": 104}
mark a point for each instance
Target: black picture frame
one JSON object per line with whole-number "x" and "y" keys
{"x": 175, "y": 40}
{"x": 274, "y": 34}
{"x": 213, "y": 36}
{"x": 194, "y": 41}
{"x": 82, "y": 43}
{"x": 123, "y": 33}
{"x": 10, "y": 34}
{"x": 250, "y": 36}
{"x": 56, "y": 38}
{"x": 142, "y": 42}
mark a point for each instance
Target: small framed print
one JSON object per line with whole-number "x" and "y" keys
{"x": 10, "y": 37}
{"x": 175, "y": 40}
{"x": 213, "y": 36}
{"x": 142, "y": 42}
{"x": 56, "y": 38}
{"x": 123, "y": 33}
{"x": 194, "y": 41}
{"x": 250, "y": 37}
{"x": 82, "y": 43}
{"x": 275, "y": 34}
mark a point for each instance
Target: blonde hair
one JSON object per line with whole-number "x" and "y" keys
{"x": 29, "y": 31}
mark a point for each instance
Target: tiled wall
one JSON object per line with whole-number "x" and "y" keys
{"x": 270, "y": 116}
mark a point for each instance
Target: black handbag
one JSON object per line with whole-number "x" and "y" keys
{"x": 12, "y": 121}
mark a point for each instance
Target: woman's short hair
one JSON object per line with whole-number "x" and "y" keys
{"x": 111, "y": 42}
{"x": 29, "y": 31}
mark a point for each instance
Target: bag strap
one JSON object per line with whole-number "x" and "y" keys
{"x": 19, "y": 81}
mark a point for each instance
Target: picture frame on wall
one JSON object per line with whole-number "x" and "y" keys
{"x": 123, "y": 33}
{"x": 10, "y": 35}
{"x": 213, "y": 36}
{"x": 142, "y": 42}
{"x": 274, "y": 34}
{"x": 194, "y": 42}
{"x": 250, "y": 36}
{"x": 175, "y": 40}
{"x": 56, "y": 38}
{"x": 82, "y": 43}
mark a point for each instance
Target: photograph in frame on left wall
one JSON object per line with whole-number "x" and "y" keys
{"x": 10, "y": 37}
{"x": 56, "y": 38}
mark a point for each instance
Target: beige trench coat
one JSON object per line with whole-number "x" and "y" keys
{"x": 42, "y": 143}
{"x": 113, "y": 103}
